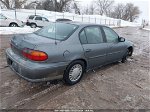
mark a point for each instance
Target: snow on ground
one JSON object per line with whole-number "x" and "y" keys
{"x": 146, "y": 29}
{"x": 16, "y": 30}
{"x": 22, "y": 15}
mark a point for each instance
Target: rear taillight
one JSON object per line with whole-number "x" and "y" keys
{"x": 34, "y": 55}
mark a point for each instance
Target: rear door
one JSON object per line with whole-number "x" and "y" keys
{"x": 94, "y": 45}
{"x": 38, "y": 21}
{"x": 116, "y": 49}
{"x": 45, "y": 21}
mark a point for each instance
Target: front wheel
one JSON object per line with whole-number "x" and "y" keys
{"x": 128, "y": 53}
{"x": 33, "y": 25}
{"x": 74, "y": 72}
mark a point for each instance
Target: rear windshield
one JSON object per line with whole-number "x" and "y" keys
{"x": 31, "y": 17}
{"x": 58, "y": 31}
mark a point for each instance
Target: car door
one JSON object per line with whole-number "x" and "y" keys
{"x": 38, "y": 21}
{"x": 116, "y": 49}
{"x": 93, "y": 45}
{"x": 45, "y": 21}
{"x": 3, "y": 21}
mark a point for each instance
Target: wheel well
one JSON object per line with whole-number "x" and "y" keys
{"x": 85, "y": 62}
{"x": 130, "y": 49}
{"x": 13, "y": 23}
{"x": 33, "y": 23}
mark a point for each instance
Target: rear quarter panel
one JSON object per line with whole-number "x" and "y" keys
{"x": 64, "y": 51}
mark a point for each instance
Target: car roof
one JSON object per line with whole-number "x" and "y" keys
{"x": 81, "y": 23}
{"x": 34, "y": 15}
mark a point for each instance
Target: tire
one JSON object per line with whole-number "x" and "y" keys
{"x": 74, "y": 72}
{"x": 13, "y": 25}
{"x": 33, "y": 25}
{"x": 124, "y": 59}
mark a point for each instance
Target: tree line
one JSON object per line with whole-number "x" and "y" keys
{"x": 126, "y": 11}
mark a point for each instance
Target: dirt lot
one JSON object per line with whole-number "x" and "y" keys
{"x": 116, "y": 86}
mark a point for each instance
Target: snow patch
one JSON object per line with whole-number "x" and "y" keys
{"x": 148, "y": 29}
{"x": 17, "y": 30}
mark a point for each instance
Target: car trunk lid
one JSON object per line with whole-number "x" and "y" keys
{"x": 22, "y": 41}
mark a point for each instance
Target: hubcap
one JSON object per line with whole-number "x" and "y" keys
{"x": 75, "y": 72}
{"x": 129, "y": 53}
{"x": 33, "y": 26}
{"x": 13, "y": 25}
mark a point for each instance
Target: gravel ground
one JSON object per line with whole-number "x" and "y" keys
{"x": 115, "y": 86}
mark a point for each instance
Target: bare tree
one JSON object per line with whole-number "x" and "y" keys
{"x": 85, "y": 10}
{"x": 49, "y": 5}
{"x": 92, "y": 8}
{"x": 104, "y": 6}
{"x": 126, "y": 12}
{"x": 118, "y": 11}
{"x": 13, "y": 3}
{"x": 131, "y": 12}
{"x": 55, "y": 5}
{"x": 39, "y": 5}
{"x": 60, "y": 4}
{"x": 76, "y": 8}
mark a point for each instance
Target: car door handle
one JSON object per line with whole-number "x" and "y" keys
{"x": 88, "y": 50}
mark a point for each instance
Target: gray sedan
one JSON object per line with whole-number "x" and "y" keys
{"x": 65, "y": 50}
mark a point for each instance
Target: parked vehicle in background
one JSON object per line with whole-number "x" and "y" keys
{"x": 65, "y": 50}
{"x": 5, "y": 21}
{"x": 37, "y": 21}
{"x": 62, "y": 20}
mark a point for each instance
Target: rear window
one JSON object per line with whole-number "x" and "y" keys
{"x": 31, "y": 17}
{"x": 58, "y": 31}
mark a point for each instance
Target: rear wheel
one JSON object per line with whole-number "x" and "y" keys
{"x": 33, "y": 25}
{"x": 13, "y": 25}
{"x": 74, "y": 72}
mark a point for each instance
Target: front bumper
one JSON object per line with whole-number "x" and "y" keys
{"x": 34, "y": 71}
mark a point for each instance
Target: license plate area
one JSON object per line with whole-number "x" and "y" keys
{"x": 13, "y": 65}
{"x": 9, "y": 61}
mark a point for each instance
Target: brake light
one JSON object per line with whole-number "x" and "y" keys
{"x": 34, "y": 55}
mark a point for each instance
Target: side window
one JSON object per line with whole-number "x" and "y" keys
{"x": 38, "y": 18}
{"x": 111, "y": 36}
{"x": 83, "y": 37}
{"x": 44, "y": 19}
{"x": 31, "y": 17}
{"x": 94, "y": 35}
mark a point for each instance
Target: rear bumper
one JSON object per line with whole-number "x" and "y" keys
{"x": 33, "y": 71}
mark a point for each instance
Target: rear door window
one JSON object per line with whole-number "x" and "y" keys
{"x": 38, "y": 18}
{"x": 91, "y": 35}
{"x": 83, "y": 38}
{"x": 44, "y": 19}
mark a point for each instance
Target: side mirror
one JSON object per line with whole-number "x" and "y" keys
{"x": 121, "y": 39}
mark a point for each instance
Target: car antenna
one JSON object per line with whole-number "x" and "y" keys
{"x": 55, "y": 24}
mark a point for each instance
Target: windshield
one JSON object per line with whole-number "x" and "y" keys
{"x": 58, "y": 31}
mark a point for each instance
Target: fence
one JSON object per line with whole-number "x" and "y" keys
{"x": 22, "y": 14}
{"x": 88, "y": 19}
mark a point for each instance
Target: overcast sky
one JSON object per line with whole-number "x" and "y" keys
{"x": 144, "y": 6}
